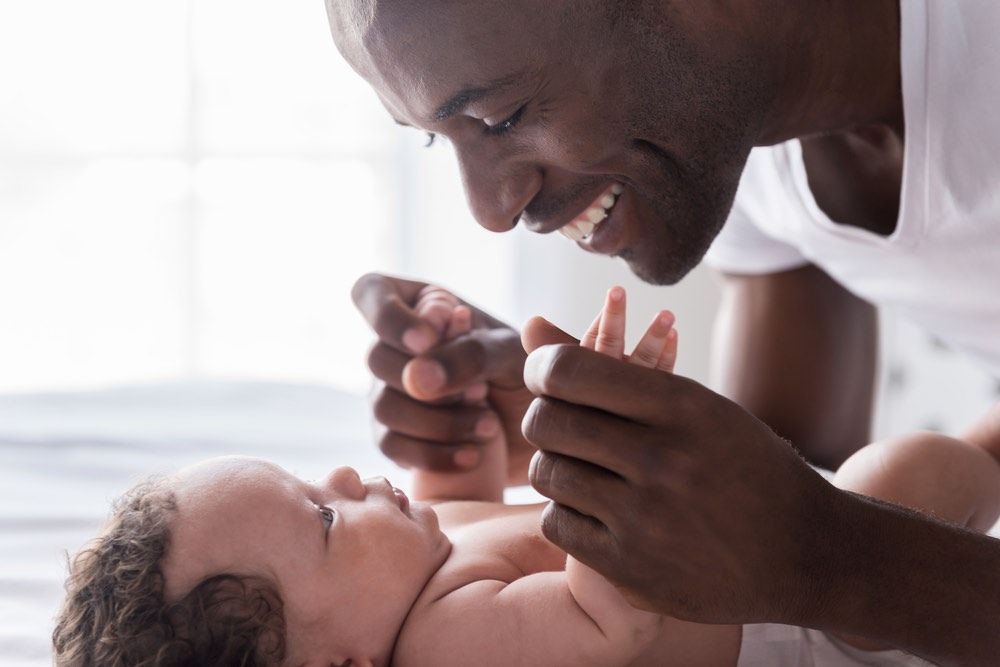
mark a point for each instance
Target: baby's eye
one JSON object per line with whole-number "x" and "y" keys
{"x": 327, "y": 515}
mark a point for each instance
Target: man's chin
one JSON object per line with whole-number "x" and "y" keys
{"x": 663, "y": 270}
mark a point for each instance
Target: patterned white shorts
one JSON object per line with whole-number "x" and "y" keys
{"x": 772, "y": 645}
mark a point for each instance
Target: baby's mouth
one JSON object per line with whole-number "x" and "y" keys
{"x": 583, "y": 225}
{"x": 404, "y": 502}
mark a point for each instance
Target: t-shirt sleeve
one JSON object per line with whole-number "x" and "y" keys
{"x": 742, "y": 248}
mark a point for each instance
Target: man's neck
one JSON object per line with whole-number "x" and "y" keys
{"x": 838, "y": 66}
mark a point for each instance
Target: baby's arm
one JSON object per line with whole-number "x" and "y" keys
{"x": 486, "y": 480}
{"x": 548, "y": 619}
{"x": 656, "y": 349}
{"x": 576, "y": 617}
{"x": 985, "y": 433}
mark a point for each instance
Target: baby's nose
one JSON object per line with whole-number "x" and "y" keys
{"x": 345, "y": 481}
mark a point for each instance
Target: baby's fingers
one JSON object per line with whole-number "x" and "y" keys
{"x": 589, "y": 339}
{"x": 611, "y": 331}
{"x": 653, "y": 345}
{"x": 459, "y": 323}
{"x": 435, "y": 306}
{"x": 669, "y": 355}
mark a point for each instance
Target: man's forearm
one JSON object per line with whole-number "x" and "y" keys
{"x": 898, "y": 577}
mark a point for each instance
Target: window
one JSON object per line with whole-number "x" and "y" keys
{"x": 188, "y": 188}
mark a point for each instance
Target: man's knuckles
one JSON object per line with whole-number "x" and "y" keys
{"x": 402, "y": 414}
{"x": 411, "y": 453}
{"x": 552, "y": 370}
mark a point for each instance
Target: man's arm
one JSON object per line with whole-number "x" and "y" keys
{"x": 648, "y": 492}
{"x": 798, "y": 351}
{"x": 895, "y": 576}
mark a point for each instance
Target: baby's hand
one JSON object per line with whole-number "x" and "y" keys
{"x": 450, "y": 318}
{"x": 656, "y": 349}
{"x": 437, "y": 306}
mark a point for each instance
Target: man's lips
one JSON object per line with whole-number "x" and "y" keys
{"x": 557, "y": 224}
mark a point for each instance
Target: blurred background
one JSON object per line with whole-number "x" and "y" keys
{"x": 187, "y": 193}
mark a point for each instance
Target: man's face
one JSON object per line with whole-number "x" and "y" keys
{"x": 625, "y": 123}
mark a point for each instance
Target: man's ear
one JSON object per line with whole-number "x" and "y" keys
{"x": 538, "y": 331}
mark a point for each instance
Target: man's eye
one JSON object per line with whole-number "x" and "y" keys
{"x": 506, "y": 126}
{"x": 327, "y": 515}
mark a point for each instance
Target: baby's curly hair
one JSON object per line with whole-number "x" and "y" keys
{"x": 115, "y": 614}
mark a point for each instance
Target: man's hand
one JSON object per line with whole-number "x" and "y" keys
{"x": 688, "y": 503}
{"x": 422, "y": 382}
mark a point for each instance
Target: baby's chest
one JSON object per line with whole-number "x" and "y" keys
{"x": 505, "y": 548}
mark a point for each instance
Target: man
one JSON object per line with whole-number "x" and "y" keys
{"x": 628, "y": 126}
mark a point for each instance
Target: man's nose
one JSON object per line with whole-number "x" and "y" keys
{"x": 497, "y": 191}
{"x": 346, "y": 482}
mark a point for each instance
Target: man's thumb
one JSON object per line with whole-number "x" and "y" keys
{"x": 539, "y": 331}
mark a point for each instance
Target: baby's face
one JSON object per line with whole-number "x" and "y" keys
{"x": 348, "y": 556}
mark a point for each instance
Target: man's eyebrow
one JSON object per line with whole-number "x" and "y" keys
{"x": 458, "y": 102}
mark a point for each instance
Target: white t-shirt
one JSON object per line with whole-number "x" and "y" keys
{"x": 941, "y": 266}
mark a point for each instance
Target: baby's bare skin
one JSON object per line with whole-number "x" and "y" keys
{"x": 461, "y": 579}
{"x": 504, "y": 545}
{"x": 506, "y": 595}
{"x": 492, "y": 541}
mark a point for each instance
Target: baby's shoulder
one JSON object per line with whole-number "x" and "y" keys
{"x": 445, "y": 610}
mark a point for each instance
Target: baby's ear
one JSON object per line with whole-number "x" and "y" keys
{"x": 538, "y": 331}
{"x": 365, "y": 662}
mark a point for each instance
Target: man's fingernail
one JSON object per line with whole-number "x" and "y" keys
{"x": 417, "y": 340}
{"x": 477, "y": 392}
{"x": 429, "y": 375}
{"x": 487, "y": 426}
{"x": 466, "y": 458}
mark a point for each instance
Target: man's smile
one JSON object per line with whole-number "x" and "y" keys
{"x": 582, "y": 227}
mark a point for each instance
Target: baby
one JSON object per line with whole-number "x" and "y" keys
{"x": 236, "y": 562}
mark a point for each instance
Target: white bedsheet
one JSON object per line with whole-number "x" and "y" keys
{"x": 63, "y": 458}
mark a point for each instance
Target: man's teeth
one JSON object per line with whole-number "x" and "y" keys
{"x": 581, "y": 228}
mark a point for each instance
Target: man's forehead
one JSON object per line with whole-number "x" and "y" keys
{"x": 353, "y": 17}
{"x": 425, "y": 58}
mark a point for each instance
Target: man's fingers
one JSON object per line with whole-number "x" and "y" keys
{"x": 385, "y": 303}
{"x": 650, "y": 348}
{"x": 458, "y": 423}
{"x": 483, "y": 355}
{"x": 611, "y": 332}
{"x": 538, "y": 331}
{"x": 583, "y": 433}
{"x": 426, "y": 455}
{"x": 577, "y": 375}
{"x": 581, "y": 536}
{"x": 386, "y": 363}
{"x": 587, "y": 488}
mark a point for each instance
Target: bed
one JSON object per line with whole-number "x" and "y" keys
{"x": 64, "y": 457}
